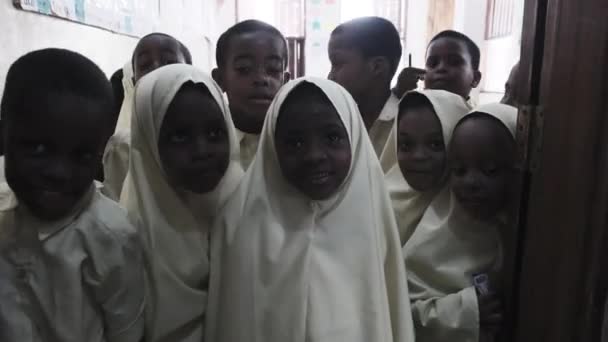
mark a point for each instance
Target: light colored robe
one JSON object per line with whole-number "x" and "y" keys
{"x": 447, "y": 249}
{"x": 77, "y": 279}
{"x": 286, "y": 268}
{"x": 173, "y": 225}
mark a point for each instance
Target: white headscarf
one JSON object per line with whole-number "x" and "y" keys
{"x": 124, "y": 118}
{"x": 174, "y": 225}
{"x": 408, "y": 203}
{"x": 116, "y": 154}
{"x": 447, "y": 249}
{"x": 286, "y": 268}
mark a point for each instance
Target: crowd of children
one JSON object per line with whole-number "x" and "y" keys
{"x": 237, "y": 205}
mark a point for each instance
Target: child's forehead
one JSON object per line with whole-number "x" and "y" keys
{"x": 194, "y": 97}
{"x": 256, "y": 42}
{"x": 448, "y": 45}
{"x": 305, "y": 107}
{"x": 65, "y": 108}
{"x": 483, "y": 133}
{"x": 157, "y": 41}
{"x": 343, "y": 40}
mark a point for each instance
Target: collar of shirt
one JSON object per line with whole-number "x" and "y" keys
{"x": 390, "y": 109}
{"x": 46, "y": 229}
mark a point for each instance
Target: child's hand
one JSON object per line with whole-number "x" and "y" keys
{"x": 408, "y": 80}
{"x": 490, "y": 311}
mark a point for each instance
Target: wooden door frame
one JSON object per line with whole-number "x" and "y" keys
{"x": 560, "y": 288}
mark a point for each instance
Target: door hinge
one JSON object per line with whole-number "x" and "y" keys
{"x": 530, "y": 123}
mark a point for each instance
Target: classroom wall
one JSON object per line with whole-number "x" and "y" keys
{"x": 415, "y": 35}
{"x": 195, "y": 23}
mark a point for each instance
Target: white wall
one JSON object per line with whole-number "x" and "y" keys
{"x": 194, "y": 22}
{"x": 416, "y": 35}
{"x": 321, "y": 19}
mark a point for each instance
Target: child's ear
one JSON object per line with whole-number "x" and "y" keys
{"x": 476, "y": 78}
{"x": 379, "y": 65}
{"x": 217, "y": 77}
{"x": 286, "y": 77}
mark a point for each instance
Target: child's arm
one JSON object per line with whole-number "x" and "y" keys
{"x": 454, "y": 317}
{"x": 116, "y": 280}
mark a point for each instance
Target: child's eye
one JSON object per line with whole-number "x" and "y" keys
{"x": 334, "y": 138}
{"x": 458, "y": 171}
{"x": 455, "y": 60}
{"x": 405, "y": 146}
{"x": 243, "y": 69}
{"x": 432, "y": 62}
{"x": 37, "y": 149}
{"x": 215, "y": 134}
{"x": 85, "y": 156}
{"x": 274, "y": 68}
{"x": 294, "y": 143}
{"x": 437, "y": 146}
{"x": 491, "y": 171}
{"x": 178, "y": 138}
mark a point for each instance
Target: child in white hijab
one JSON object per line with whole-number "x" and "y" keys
{"x": 184, "y": 164}
{"x": 455, "y": 255}
{"x": 418, "y": 153}
{"x": 151, "y": 52}
{"x": 307, "y": 249}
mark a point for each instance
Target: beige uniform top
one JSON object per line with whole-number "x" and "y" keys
{"x": 77, "y": 279}
{"x": 174, "y": 223}
{"x": 116, "y": 154}
{"x": 381, "y": 129}
{"x": 448, "y": 248}
{"x": 286, "y": 268}
{"x": 248, "y": 145}
{"x": 409, "y": 204}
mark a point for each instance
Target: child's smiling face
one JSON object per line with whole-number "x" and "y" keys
{"x": 53, "y": 151}
{"x": 193, "y": 142}
{"x": 482, "y": 159}
{"x": 420, "y": 147}
{"x": 312, "y": 144}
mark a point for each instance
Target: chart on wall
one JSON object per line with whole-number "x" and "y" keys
{"x": 322, "y": 16}
{"x": 131, "y": 17}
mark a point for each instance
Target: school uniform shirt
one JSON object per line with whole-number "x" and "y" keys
{"x": 287, "y": 268}
{"x": 116, "y": 154}
{"x": 77, "y": 279}
{"x": 116, "y": 163}
{"x": 447, "y": 250}
{"x": 409, "y": 204}
{"x": 174, "y": 224}
{"x": 248, "y": 144}
{"x": 124, "y": 118}
{"x": 381, "y": 129}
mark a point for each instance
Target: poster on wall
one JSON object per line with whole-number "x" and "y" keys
{"x": 322, "y": 17}
{"x": 130, "y": 17}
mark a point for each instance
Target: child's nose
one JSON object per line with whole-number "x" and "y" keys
{"x": 58, "y": 171}
{"x": 472, "y": 182}
{"x": 315, "y": 154}
{"x": 442, "y": 66}
{"x": 201, "y": 149}
{"x": 261, "y": 77}
{"x": 419, "y": 154}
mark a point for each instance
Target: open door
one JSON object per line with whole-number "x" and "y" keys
{"x": 440, "y": 17}
{"x": 560, "y": 273}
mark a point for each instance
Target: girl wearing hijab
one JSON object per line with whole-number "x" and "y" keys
{"x": 184, "y": 164}
{"x": 151, "y": 52}
{"x": 307, "y": 249}
{"x": 418, "y": 153}
{"x": 454, "y": 257}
